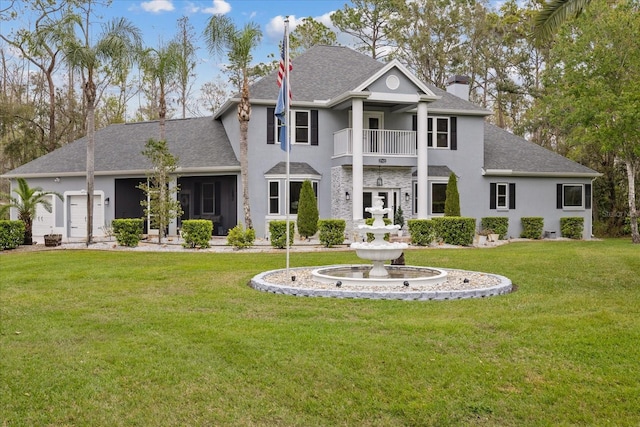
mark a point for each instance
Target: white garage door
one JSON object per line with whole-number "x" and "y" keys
{"x": 78, "y": 216}
{"x": 43, "y": 222}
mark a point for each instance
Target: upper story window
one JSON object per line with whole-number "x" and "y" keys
{"x": 439, "y": 135}
{"x": 304, "y": 127}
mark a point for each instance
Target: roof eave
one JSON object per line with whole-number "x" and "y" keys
{"x": 201, "y": 169}
{"x": 509, "y": 172}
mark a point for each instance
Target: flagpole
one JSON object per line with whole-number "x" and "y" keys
{"x": 288, "y": 130}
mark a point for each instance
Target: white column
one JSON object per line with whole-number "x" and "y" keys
{"x": 423, "y": 162}
{"x": 358, "y": 174}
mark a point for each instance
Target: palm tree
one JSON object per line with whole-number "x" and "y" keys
{"x": 161, "y": 65}
{"x": 221, "y": 34}
{"x": 117, "y": 44}
{"x": 26, "y": 202}
{"x": 554, "y": 14}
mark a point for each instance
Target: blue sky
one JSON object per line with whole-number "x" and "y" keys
{"x": 157, "y": 18}
{"x": 157, "y": 22}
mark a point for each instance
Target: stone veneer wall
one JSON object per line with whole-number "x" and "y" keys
{"x": 341, "y": 182}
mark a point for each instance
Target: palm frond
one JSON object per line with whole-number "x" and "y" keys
{"x": 553, "y": 14}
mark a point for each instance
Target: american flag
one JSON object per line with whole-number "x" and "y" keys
{"x": 282, "y": 66}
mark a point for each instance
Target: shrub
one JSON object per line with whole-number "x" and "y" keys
{"x": 452, "y": 199}
{"x": 128, "y": 231}
{"x": 422, "y": 231}
{"x": 11, "y": 234}
{"x": 278, "y": 232}
{"x": 532, "y": 227}
{"x": 240, "y": 238}
{"x": 499, "y": 225}
{"x": 331, "y": 231}
{"x": 626, "y": 229}
{"x": 307, "y": 211}
{"x": 370, "y": 236}
{"x": 398, "y": 218}
{"x": 455, "y": 230}
{"x": 196, "y": 233}
{"x": 572, "y": 227}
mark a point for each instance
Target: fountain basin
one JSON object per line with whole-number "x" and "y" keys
{"x": 360, "y": 275}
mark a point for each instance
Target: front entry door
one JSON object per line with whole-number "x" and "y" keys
{"x": 390, "y": 199}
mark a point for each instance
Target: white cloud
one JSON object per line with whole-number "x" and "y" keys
{"x": 220, "y": 7}
{"x": 275, "y": 27}
{"x": 157, "y": 6}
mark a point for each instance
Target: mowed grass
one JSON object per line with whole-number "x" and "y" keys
{"x": 91, "y": 338}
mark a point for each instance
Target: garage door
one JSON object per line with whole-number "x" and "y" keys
{"x": 43, "y": 222}
{"x": 78, "y": 216}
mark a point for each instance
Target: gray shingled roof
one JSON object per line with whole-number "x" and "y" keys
{"x": 436, "y": 170}
{"x": 197, "y": 142}
{"x": 324, "y": 72}
{"x": 295, "y": 168}
{"x": 508, "y": 152}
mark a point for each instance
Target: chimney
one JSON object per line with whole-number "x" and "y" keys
{"x": 459, "y": 86}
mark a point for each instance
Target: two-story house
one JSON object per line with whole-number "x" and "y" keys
{"x": 359, "y": 128}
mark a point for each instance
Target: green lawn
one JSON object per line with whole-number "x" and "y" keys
{"x": 93, "y": 338}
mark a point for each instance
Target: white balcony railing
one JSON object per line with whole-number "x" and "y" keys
{"x": 376, "y": 142}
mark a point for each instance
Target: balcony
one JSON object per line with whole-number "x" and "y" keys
{"x": 376, "y": 142}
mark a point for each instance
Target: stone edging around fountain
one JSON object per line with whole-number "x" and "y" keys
{"x": 503, "y": 287}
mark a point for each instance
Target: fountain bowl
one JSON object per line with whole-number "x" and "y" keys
{"x": 361, "y": 275}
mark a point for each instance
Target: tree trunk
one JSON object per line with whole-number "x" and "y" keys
{"x": 90, "y": 95}
{"x": 244, "y": 113}
{"x": 633, "y": 212}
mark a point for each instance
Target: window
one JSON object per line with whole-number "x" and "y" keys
{"x": 439, "y": 134}
{"x": 438, "y": 197}
{"x": 207, "y": 198}
{"x": 294, "y": 192}
{"x": 574, "y": 196}
{"x": 301, "y": 132}
{"x": 502, "y": 195}
{"x": 274, "y": 197}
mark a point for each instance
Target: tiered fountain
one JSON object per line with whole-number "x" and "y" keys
{"x": 381, "y": 281}
{"x": 378, "y": 251}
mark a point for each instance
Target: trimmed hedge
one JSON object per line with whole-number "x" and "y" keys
{"x": 11, "y": 233}
{"x": 196, "y": 233}
{"x": 369, "y": 221}
{"x": 128, "y": 231}
{"x": 422, "y": 231}
{"x": 331, "y": 231}
{"x": 278, "y": 232}
{"x": 455, "y": 230}
{"x": 240, "y": 238}
{"x": 532, "y": 227}
{"x": 499, "y": 225}
{"x": 572, "y": 227}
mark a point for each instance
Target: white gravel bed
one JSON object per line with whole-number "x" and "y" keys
{"x": 460, "y": 284}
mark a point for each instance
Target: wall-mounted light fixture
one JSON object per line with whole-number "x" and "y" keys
{"x": 407, "y": 197}
{"x": 56, "y": 179}
{"x": 347, "y": 196}
{"x": 106, "y": 201}
{"x": 379, "y": 181}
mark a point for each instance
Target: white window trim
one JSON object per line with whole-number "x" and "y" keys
{"x": 315, "y": 181}
{"x": 573, "y": 208}
{"x": 445, "y": 182}
{"x": 506, "y": 198}
{"x": 269, "y": 197}
{"x": 434, "y": 132}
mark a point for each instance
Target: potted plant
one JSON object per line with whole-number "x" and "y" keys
{"x": 398, "y": 219}
{"x": 483, "y": 235}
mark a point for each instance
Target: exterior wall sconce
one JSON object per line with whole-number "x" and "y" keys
{"x": 56, "y": 180}
{"x": 347, "y": 196}
{"x": 379, "y": 181}
{"x": 407, "y": 197}
{"x": 106, "y": 201}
